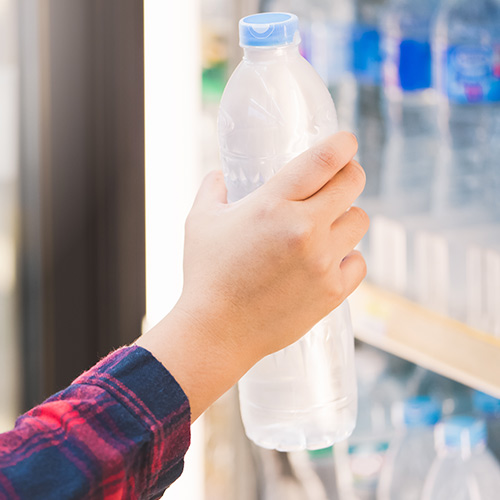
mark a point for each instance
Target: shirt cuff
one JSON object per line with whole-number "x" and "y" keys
{"x": 134, "y": 377}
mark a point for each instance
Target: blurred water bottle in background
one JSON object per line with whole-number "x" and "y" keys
{"x": 410, "y": 154}
{"x": 408, "y": 162}
{"x": 382, "y": 382}
{"x": 453, "y": 397}
{"x": 483, "y": 284}
{"x": 412, "y": 453}
{"x": 367, "y": 65}
{"x": 488, "y": 408}
{"x": 464, "y": 469}
{"x": 466, "y": 54}
{"x": 323, "y": 465}
{"x": 332, "y": 23}
{"x": 274, "y": 107}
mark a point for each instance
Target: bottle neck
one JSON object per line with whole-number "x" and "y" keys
{"x": 266, "y": 54}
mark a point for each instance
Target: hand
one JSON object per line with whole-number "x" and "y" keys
{"x": 259, "y": 273}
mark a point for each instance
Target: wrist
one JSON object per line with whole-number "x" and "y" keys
{"x": 199, "y": 351}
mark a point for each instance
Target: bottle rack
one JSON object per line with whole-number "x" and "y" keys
{"x": 394, "y": 324}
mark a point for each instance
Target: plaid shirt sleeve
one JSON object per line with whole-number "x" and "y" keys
{"x": 119, "y": 431}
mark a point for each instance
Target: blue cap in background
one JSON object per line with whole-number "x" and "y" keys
{"x": 421, "y": 410}
{"x": 463, "y": 430}
{"x": 268, "y": 29}
{"x": 486, "y": 404}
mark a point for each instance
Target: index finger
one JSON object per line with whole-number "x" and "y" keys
{"x": 309, "y": 172}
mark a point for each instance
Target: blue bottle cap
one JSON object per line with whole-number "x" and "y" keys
{"x": 463, "y": 431}
{"x": 269, "y": 29}
{"x": 421, "y": 411}
{"x": 486, "y": 404}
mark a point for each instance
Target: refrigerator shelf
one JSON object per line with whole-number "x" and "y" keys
{"x": 397, "y": 325}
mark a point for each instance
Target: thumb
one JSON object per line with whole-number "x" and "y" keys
{"x": 212, "y": 190}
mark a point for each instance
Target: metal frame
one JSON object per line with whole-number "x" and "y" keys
{"x": 82, "y": 185}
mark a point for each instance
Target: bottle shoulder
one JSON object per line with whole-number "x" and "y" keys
{"x": 281, "y": 107}
{"x": 283, "y": 83}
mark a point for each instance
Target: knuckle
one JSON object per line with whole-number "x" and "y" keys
{"x": 360, "y": 218}
{"x": 264, "y": 211}
{"x": 322, "y": 266}
{"x": 359, "y": 264}
{"x": 285, "y": 223}
{"x": 267, "y": 208}
{"x": 357, "y": 176}
{"x": 299, "y": 235}
{"x": 325, "y": 156}
{"x": 269, "y": 211}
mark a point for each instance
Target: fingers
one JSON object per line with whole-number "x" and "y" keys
{"x": 348, "y": 230}
{"x": 340, "y": 192}
{"x": 353, "y": 269}
{"x": 212, "y": 189}
{"x": 310, "y": 171}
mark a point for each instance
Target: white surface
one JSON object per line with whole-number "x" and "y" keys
{"x": 172, "y": 101}
{"x": 9, "y": 166}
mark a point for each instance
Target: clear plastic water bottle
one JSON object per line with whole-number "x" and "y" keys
{"x": 322, "y": 463}
{"x": 382, "y": 380}
{"x": 274, "y": 107}
{"x": 410, "y": 154}
{"x": 464, "y": 468}
{"x": 466, "y": 54}
{"x": 409, "y": 157}
{"x": 454, "y": 398}
{"x": 367, "y": 64}
{"x": 412, "y": 453}
{"x": 483, "y": 286}
{"x": 488, "y": 408}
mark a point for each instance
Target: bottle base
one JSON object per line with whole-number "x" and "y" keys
{"x": 305, "y": 430}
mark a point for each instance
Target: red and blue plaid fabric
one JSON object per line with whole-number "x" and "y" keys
{"x": 119, "y": 431}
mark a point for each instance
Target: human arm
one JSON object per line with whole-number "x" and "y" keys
{"x": 259, "y": 274}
